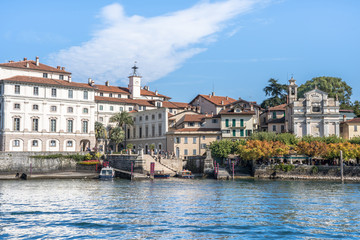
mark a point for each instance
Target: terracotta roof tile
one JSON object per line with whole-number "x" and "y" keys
{"x": 32, "y": 65}
{"x": 196, "y": 130}
{"x": 124, "y": 90}
{"x": 141, "y": 102}
{"x": 354, "y": 120}
{"x": 114, "y": 89}
{"x": 281, "y": 107}
{"x": 217, "y": 100}
{"x": 193, "y": 118}
{"x": 47, "y": 81}
{"x": 177, "y": 105}
{"x": 150, "y": 93}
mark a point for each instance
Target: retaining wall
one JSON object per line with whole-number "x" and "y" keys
{"x": 13, "y": 162}
{"x": 308, "y": 172}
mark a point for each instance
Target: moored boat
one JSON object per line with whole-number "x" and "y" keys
{"x": 107, "y": 172}
{"x": 186, "y": 174}
{"x": 161, "y": 174}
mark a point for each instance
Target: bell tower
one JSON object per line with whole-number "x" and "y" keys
{"x": 292, "y": 90}
{"x": 134, "y": 84}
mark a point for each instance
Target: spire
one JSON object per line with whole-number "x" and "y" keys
{"x": 134, "y": 69}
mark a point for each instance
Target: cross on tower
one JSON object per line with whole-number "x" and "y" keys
{"x": 134, "y": 68}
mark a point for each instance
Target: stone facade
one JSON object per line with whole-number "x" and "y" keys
{"x": 316, "y": 114}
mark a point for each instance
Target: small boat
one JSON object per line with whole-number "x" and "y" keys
{"x": 161, "y": 174}
{"x": 186, "y": 174}
{"x": 107, "y": 172}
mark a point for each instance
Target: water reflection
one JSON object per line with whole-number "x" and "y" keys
{"x": 184, "y": 209}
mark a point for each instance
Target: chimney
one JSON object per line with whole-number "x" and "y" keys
{"x": 156, "y": 92}
{"x": 227, "y": 98}
{"x": 107, "y": 83}
{"x": 25, "y": 59}
{"x": 209, "y": 95}
{"x": 63, "y": 68}
{"x": 11, "y": 61}
{"x": 69, "y": 79}
{"x": 27, "y": 65}
{"x": 37, "y": 61}
{"x": 222, "y": 102}
{"x": 213, "y": 93}
{"x": 58, "y": 67}
{"x": 344, "y": 118}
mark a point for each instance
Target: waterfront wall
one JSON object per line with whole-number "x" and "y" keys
{"x": 123, "y": 162}
{"x": 13, "y": 162}
{"x": 320, "y": 172}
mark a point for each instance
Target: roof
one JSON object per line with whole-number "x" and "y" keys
{"x": 124, "y": 90}
{"x": 354, "y": 120}
{"x": 193, "y": 118}
{"x": 113, "y": 89}
{"x": 195, "y": 130}
{"x": 346, "y": 110}
{"x": 277, "y": 120}
{"x": 47, "y": 81}
{"x": 217, "y": 100}
{"x": 242, "y": 100}
{"x": 150, "y": 93}
{"x": 32, "y": 65}
{"x": 281, "y": 107}
{"x": 231, "y": 112}
{"x": 141, "y": 102}
{"x": 177, "y": 105}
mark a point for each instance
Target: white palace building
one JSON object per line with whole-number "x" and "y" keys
{"x": 42, "y": 109}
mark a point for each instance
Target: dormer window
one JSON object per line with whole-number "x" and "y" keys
{"x": 110, "y": 94}
{"x": 61, "y": 77}
{"x": 237, "y": 110}
{"x": 101, "y": 94}
{"x": 45, "y": 75}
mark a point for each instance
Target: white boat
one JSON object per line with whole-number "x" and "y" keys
{"x": 186, "y": 174}
{"x": 107, "y": 172}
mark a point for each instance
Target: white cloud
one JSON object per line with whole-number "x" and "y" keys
{"x": 159, "y": 44}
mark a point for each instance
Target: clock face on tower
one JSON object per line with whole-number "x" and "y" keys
{"x": 136, "y": 82}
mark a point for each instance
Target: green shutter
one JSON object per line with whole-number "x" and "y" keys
{"x": 241, "y": 122}
{"x": 234, "y": 122}
{"x": 241, "y": 132}
{"x": 226, "y": 122}
{"x": 234, "y": 133}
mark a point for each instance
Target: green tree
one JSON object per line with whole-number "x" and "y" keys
{"x": 277, "y": 93}
{"x": 332, "y": 85}
{"x": 122, "y": 120}
{"x": 223, "y": 148}
{"x": 100, "y": 133}
{"x": 117, "y": 135}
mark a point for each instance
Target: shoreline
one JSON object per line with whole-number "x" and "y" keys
{"x": 54, "y": 175}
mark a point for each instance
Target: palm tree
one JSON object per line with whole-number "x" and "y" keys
{"x": 100, "y": 132}
{"x": 122, "y": 119}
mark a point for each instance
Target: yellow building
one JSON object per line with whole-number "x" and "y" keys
{"x": 350, "y": 129}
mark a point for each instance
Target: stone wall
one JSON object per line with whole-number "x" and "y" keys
{"x": 307, "y": 172}
{"x": 13, "y": 162}
{"x": 123, "y": 162}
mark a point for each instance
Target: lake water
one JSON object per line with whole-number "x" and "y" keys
{"x": 179, "y": 209}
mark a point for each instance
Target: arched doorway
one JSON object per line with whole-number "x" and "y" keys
{"x": 84, "y": 145}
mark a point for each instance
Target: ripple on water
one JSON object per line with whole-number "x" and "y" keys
{"x": 179, "y": 209}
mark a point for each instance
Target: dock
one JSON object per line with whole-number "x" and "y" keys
{"x": 128, "y": 175}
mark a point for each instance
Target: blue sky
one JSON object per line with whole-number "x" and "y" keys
{"x": 187, "y": 47}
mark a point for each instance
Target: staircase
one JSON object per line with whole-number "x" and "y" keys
{"x": 158, "y": 166}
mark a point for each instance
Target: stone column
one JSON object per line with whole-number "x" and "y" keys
{"x": 337, "y": 129}
{"x": 326, "y": 128}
